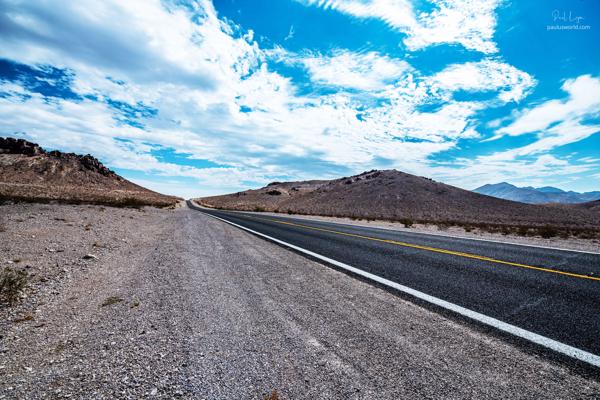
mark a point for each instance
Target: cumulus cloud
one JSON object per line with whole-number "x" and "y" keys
{"x": 583, "y": 100}
{"x": 556, "y": 122}
{"x": 470, "y": 23}
{"x": 368, "y": 71}
{"x": 486, "y": 75}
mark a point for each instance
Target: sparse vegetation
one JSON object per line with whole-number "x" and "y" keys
{"x": 12, "y": 283}
{"x": 259, "y": 209}
{"x": 272, "y": 396}
{"x": 407, "y": 222}
{"x": 111, "y": 300}
{"x": 25, "y": 318}
{"x": 547, "y": 231}
{"x": 103, "y": 200}
{"x": 135, "y": 303}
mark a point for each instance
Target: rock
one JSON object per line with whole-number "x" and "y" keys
{"x": 90, "y": 257}
{"x": 20, "y": 146}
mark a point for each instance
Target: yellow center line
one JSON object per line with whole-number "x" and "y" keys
{"x": 436, "y": 250}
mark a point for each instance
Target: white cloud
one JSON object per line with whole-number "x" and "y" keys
{"x": 556, "y": 123}
{"x": 470, "y": 23}
{"x": 583, "y": 101}
{"x": 368, "y": 71}
{"x": 487, "y": 75}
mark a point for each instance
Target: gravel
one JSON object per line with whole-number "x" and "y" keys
{"x": 177, "y": 304}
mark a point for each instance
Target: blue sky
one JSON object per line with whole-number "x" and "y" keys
{"x": 198, "y": 98}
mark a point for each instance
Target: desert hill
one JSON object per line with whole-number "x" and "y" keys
{"x": 590, "y": 205}
{"x": 394, "y": 195}
{"x": 29, "y": 173}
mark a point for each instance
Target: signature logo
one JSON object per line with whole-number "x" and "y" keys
{"x": 563, "y": 16}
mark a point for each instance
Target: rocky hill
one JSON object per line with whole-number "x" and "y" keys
{"x": 394, "y": 195}
{"x": 29, "y": 173}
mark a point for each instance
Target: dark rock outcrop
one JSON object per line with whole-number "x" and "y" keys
{"x": 20, "y": 146}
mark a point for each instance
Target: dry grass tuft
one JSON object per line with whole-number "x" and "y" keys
{"x": 12, "y": 283}
{"x": 111, "y": 300}
{"x": 272, "y": 396}
{"x": 26, "y": 317}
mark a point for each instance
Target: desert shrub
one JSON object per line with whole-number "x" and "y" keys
{"x": 274, "y": 192}
{"x": 2, "y": 228}
{"x": 12, "y": 283}
{"x": 522, "y": 231}
{"x": 587, "y": 234}
{"x": 272, "y": 396}
{"x": 25, "y": 318}
{"x": 443, "y": 225}
{"x": 259, "y": 209}
{"x": 290, "y": 212}
{"x": 111, "y": 300}
{"x": 468, "y": 228}
{"x": 407, "y": 222}
{"x": 547, "y": 231}
{"x": 130, "y": 202}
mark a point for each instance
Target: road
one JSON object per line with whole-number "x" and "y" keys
{"x": 205, "y": 310}
{"x": 552, "y": 293}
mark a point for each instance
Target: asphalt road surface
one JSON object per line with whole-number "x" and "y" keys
{"x": 553, "y": 293}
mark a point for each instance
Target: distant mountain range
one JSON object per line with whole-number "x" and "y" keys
{"x": 532, "y": 195}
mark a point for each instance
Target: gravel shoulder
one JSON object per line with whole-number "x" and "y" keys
{"x": 178, "y": 304}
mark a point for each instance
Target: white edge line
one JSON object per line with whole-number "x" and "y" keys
{"x": 539, "y": 246}
{"x": 543, "y": 341}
